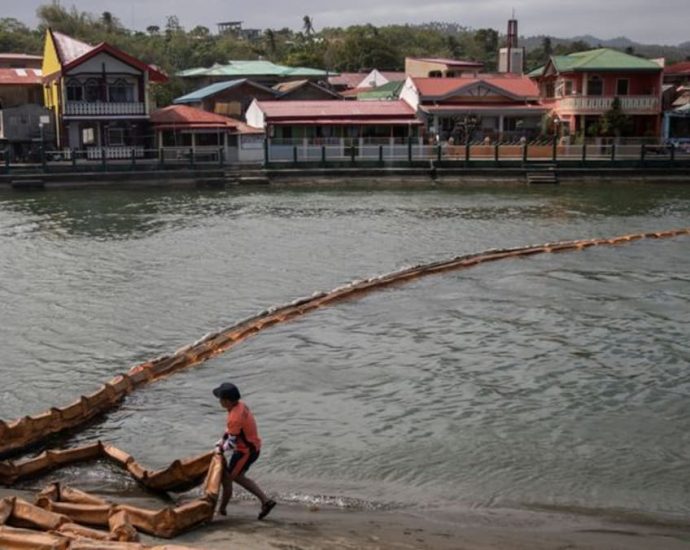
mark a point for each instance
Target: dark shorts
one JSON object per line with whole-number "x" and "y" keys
{"x": 240, "y": 462}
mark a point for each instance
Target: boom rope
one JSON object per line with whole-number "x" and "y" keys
{"x": 23, "y": 433}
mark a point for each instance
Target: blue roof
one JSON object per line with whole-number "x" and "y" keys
{"x": 202, "y": 93}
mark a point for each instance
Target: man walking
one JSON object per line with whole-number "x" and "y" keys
{"x": 241, "y": 438}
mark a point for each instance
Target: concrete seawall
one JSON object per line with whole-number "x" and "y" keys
{"x": 323, "y": 176}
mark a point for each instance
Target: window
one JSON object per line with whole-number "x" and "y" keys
{"x": 435, "y": 74}
{"x": 116, "y": 136}
{"x": 595, "y": 86}
{"x": 549, "y": 89}
{"x": 88, "y": 136}
{"x": 568, "y": 87}
{"x": 92, "y": 90}
{"x": 207, "y": 139}
{"x": 622, "y": 86}
{"x": 121, "y": 91}
{"x": 75, "y": 91}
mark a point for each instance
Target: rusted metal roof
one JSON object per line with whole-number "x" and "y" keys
{"x": 185, "y": 117}
{"x": 26, "y": 77}
{"x": 516, "y": 85}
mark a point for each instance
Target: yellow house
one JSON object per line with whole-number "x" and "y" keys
{"x": 99, "y": 96}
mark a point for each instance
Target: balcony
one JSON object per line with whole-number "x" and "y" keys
{"x": 97, "y": 108}
{"x": 632, "y": 104}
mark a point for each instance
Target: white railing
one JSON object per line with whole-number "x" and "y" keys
{"x": 86, "y": 108}
{"x": 601, "y": 104}
{"x": 94, "y": 153}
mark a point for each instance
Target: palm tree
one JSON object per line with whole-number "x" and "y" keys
{"x": 308, "y": 25}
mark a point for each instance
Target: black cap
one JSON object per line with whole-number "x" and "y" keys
{"x": 227, "y": 391}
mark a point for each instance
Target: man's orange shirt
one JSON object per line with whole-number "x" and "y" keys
{"x": 241, "y": 424}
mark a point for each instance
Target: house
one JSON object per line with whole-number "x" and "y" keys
{"x": 20, "y": 61}
{"x": 184, "y": 133}
{"x": 230, "y": 98}
{"x": 438, "y": 67}
{"x": 335, "y": 130}
{"x": 25, "y": 125}
{"x": 579, "y": 88}
{"x": 677, "y": 74}
{"x": 301, "y": 90}
{"x": 99, "y": 96}
{"x": 501, "y": 107}
{"x": 260, "y": 71}
{"x": 333, "y": 120}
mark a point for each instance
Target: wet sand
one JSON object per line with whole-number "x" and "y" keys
{"x": 292, "y": 527}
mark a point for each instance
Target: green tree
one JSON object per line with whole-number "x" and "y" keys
{"x": 615, "y": 122}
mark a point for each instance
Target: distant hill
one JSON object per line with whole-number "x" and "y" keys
{"x": 671, "y": 53}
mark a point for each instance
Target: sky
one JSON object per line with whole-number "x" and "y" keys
{"x": 645, "y": 21}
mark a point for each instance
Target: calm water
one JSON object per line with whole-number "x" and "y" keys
{"x": 559, "y": 380}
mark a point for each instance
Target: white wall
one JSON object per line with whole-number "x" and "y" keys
{"x": 112, "y": 65}
{"x": 255, "y": 116}
{"x": 410, "y": 94}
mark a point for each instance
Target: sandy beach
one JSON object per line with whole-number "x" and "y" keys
{"x": 292, "y": 527}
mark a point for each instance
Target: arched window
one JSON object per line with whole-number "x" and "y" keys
{"x": 595, "y": 85}
{"x": 121, "y": 91}
{"x": 75, "y": 91}
{"x": 92, "y": 90}
{"x": 435, "y": 74}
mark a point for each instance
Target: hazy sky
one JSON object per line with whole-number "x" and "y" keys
{"x": 647, "y": 21}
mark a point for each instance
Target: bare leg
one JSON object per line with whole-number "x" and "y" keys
{"x": 227, "y": 493}
{"x": 252, "y": 487}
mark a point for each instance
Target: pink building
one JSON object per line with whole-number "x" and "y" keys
{"x": 579, "y": 88}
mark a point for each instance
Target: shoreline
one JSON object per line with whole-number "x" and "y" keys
{"x": 369, "y": 176}
{"x": 292, "y": 526}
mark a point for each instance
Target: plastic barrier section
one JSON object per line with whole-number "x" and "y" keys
{"x": 67, "y": 518}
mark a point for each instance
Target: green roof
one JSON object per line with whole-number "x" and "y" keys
{"x": 390, "y": 90}
{"x": 202, "y": 93}
{"x": 603, "y": 59}
{"x": 240, "y": 69}
{"x": 537, "y": 72}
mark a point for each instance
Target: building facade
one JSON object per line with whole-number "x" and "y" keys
{"x": 25, "y": 125}
{"x": 99, "y": 97}
{"x": 487, "y": 107}
{"x": 581, "y": 87}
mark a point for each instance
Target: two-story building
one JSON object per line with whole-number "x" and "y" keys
{"x": 500, "y": 107}
{"x": 25, "y": 125}
{"x": 579, "y": 88}
{"x": 99, "y": 96}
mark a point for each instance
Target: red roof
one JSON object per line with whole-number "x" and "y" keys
{"x": 185, "y": 117}
{"x": 678, "y": 68}
{"x": 350, "y": 80}
{"x": 351, "y": 110}
{"x": 516, "y": 85}
{"x": 73, "y": 52}
{"x": 26, "y": 77}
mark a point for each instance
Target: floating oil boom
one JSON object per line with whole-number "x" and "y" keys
{"x": 63, "y": 518}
